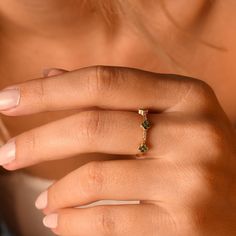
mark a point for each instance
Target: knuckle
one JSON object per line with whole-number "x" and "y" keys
{"x": 29, "y": 144}
{"x": 94, "y": 125}
{"x": 210, "y": 135}
{"x": 214, "y": 138}
{"x": 65, "y": 223}
{"x": 201, "y": 182}
{"x": 105, "y": 82}
{"x": 203, "y": 89}
{"x": 31, "y": 139}
{"x": 39, "y": 91}
{"x": 105, "y": 222}
{"x": 94, "y": 179}
{"x": 54, "y": 199}
{"x": 203, "y": 96}
{"x": 201, "y": 185}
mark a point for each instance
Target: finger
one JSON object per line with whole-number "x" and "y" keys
{"x": 104, "y": 87}
{"x": 122, "y": 180}
{"x": 53, "y": 72}
{"x": 86, "y": 132}
{"x": 123, "y": 220}
{"x": 110, "y": 132}
{"x": 111, "y": 180}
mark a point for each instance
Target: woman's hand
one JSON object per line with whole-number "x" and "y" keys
{"x": 185, "y": 182}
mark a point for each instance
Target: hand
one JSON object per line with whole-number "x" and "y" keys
{"x": 185, "y": 182}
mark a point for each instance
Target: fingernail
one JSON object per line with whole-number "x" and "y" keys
{"x": 42, "y": 200}
{"x": 9, "y": 98}
{"x": 52, "y": 72}
{"x": 8, "y": 153}
{"x": 51, "y": 221}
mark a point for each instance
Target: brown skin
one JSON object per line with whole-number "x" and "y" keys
{"x": 71, "y": 46}
{"x": 186, "y": 181}
{"x": 203, "y": 202}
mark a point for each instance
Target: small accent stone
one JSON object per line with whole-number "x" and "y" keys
{"x": 146, "y": 124}
{"x": 143, "y": 148}
{"x": 143, "y": 112}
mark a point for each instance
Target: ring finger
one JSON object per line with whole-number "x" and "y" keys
{"x": 110, "y": 132}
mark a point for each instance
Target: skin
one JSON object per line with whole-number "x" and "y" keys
{"x": 192, "y": 159}
{"x": 93, "y": 45}
{"x": 186, "y": 182}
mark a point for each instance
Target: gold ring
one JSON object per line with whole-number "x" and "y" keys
{"x": 145, "y": 125}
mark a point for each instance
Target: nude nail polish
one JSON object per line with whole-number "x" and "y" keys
{"x": 51, "y": 221}
{"x": 53, "y": 72}
{"x": 8, "y": 153}
{"x": 42, "y": 200}
{"x": 9, "y": 98}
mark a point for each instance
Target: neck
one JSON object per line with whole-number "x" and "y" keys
{"x": 48, "y": 18}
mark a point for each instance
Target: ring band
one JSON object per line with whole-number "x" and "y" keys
{"x": 146, "y": 124}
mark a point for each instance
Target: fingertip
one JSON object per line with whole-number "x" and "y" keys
{"x": 48, "y": 72}
{"x": 9, "y": 99}
{"x": 8, "y": 152}
{"x": 9, "y": 167}
{"x": 51, "y": 221}
{"x": 42, "y": 201}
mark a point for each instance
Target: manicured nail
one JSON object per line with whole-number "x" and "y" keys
{"x": 42, "y": 200}
{"x": 9, "y": 98}
{"x": 51, "y": 221}
{"x": 8, "y": 152}
{"x": 53, "y": 72}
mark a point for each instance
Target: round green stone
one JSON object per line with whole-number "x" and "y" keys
{"x": 146, "y": 124}
{"x": 143, "y": 148}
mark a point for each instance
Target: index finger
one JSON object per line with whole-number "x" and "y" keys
{"x": 105, "y": 87}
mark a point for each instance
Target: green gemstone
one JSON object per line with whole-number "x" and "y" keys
{"x": 143, "y": 148}
{"x": 146, "y": 124}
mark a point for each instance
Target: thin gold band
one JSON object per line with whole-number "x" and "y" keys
{"x": 146, "y": 124}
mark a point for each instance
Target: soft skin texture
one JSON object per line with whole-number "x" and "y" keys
{"x": 83, "y": 39}
{"x": 186, "y": 182}
{"x": 46, "y": 33}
